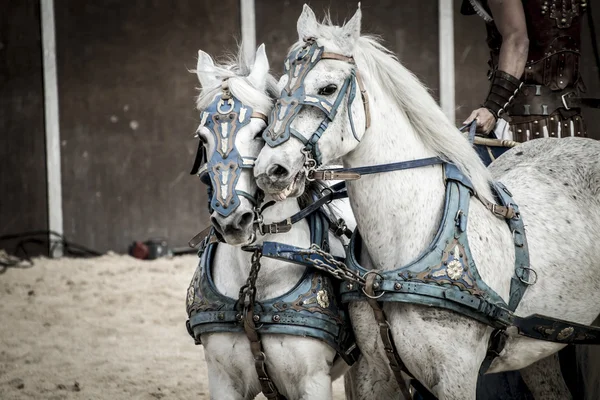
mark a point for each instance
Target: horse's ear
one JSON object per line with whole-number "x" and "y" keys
{"x": 307, "y": 23}
{"x": 352, "y": 28}
{"x": 260, "y": 69}
{"x": 205, "y": 70}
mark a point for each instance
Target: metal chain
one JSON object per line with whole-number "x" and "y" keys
{"x": 337, "y": 269}
{"x": 249, "y": 289}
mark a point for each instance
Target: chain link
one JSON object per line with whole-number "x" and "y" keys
{"x": 337, "y": 269}
{"x": 249, "y": 289}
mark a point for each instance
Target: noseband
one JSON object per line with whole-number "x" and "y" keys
{"x": 224, "y": 118}
{"x": 293, "y": 97}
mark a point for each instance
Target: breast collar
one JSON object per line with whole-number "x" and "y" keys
{"x": 445, "y": 274}
{"x": 310, "y": 309}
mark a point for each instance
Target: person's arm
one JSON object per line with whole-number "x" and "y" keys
{"x": 509, "y": 18}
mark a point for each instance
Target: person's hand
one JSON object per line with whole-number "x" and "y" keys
{"x": 485, "y": 120}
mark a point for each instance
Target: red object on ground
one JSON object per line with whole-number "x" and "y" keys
{"x": 139, "y": 250}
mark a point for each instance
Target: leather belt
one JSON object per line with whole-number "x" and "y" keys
{"x": 541, "y": 100}
{"x": 570, "y": 100}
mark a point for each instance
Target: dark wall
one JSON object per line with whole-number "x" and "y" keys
{"x": 470, "y": 60}
{"x": 23, "y": 196}
{"x": 409, "y": 28}
{"x": 127, "y": 115}
{"x": 590, "y": 73}
{"x": 471, "y": 56}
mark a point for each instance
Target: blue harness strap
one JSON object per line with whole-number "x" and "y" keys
{"x": 310, "y": 309}
{"x": 449, "y": 281}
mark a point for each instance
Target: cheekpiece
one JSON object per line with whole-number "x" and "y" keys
{"x": 293, "y": 97}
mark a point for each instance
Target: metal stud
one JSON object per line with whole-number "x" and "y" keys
{"x": 397, "y": 286}
{"x": 276, "y": 318}
{"x": 349, "y": 286}
{"x": 256, "y": 318}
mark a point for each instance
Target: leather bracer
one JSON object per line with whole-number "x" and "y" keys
{"x": 502, "y": 92}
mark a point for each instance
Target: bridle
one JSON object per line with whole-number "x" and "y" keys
{"x": 293, "y": 98}
{"x": 224, "y": 118}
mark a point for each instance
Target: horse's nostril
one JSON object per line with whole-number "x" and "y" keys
{"x": 216, "y": 225}
{"x": 277, "y": 171}
{"x": 245, "y": 220}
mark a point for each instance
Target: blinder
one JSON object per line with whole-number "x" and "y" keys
{"x": 293, "y": 97}
{"x": 224, "y": 118}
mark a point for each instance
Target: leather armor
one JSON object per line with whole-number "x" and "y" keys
{"x": 551, "y": 75}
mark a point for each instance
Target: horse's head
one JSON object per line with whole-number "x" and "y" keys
{"x": 233, "y": 106}
{"x": 320, "y": 115}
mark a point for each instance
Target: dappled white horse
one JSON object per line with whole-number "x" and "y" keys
{"x": 300, "y": 367}
{"x": 556, "y": 184}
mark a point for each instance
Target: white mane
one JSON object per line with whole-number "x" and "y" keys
{"x": 427, "y": 118}
{"x": 237, "y": 69}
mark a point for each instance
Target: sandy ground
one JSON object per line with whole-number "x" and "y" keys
{"x": 106, "y": 328}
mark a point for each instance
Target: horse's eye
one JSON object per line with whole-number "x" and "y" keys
{"x": 328, "y": 90}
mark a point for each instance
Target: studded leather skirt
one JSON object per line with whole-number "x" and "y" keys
{"x": 558, "y": 125}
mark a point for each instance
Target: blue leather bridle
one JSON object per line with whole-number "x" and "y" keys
{"x": 224, "y": 118}
{"x": 293, "y": 98}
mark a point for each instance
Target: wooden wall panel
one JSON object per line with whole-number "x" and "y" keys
{"x": 409, "y": 28}
{"x": 22, "y": 147}
{"x": 127, "y": 115}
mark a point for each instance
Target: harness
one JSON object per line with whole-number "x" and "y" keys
{"x": 293, "y": 98}
{"x": 445, "y": 275}
{"x": 310, "y": 309}
{"x": 224, "y": 117}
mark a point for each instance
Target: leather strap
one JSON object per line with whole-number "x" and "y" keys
{"x": 337, "y": 191}
{"x": 572, "y": 101}
{"x": 356, "y": 173}
{"x": 335, "y": 56}
{"x": 268, "y": 388}
{"x": 262, "y": 116}
{"x": 196, "y": 240}
{"x": 365, "y": 98}
{"x": 396, "y": 364}
{"x": 497, "y": 210}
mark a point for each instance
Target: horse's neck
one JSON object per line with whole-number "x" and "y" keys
{"x": 232, "y": 265}
{"x": 398, "y": 213}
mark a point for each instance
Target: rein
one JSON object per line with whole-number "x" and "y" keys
{"x": 355, "y": 173}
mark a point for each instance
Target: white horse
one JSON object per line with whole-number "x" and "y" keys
{"x": 301, "y": 367}
{"x": 556, "y": 184}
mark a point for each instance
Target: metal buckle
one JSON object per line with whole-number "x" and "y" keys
{"x": 564, "y": 100}
{"x": 363, "y": 288}
{"x": 530, "y": 281}
{"x": 310, "y": 165}
{"x": 222, "y": 103}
